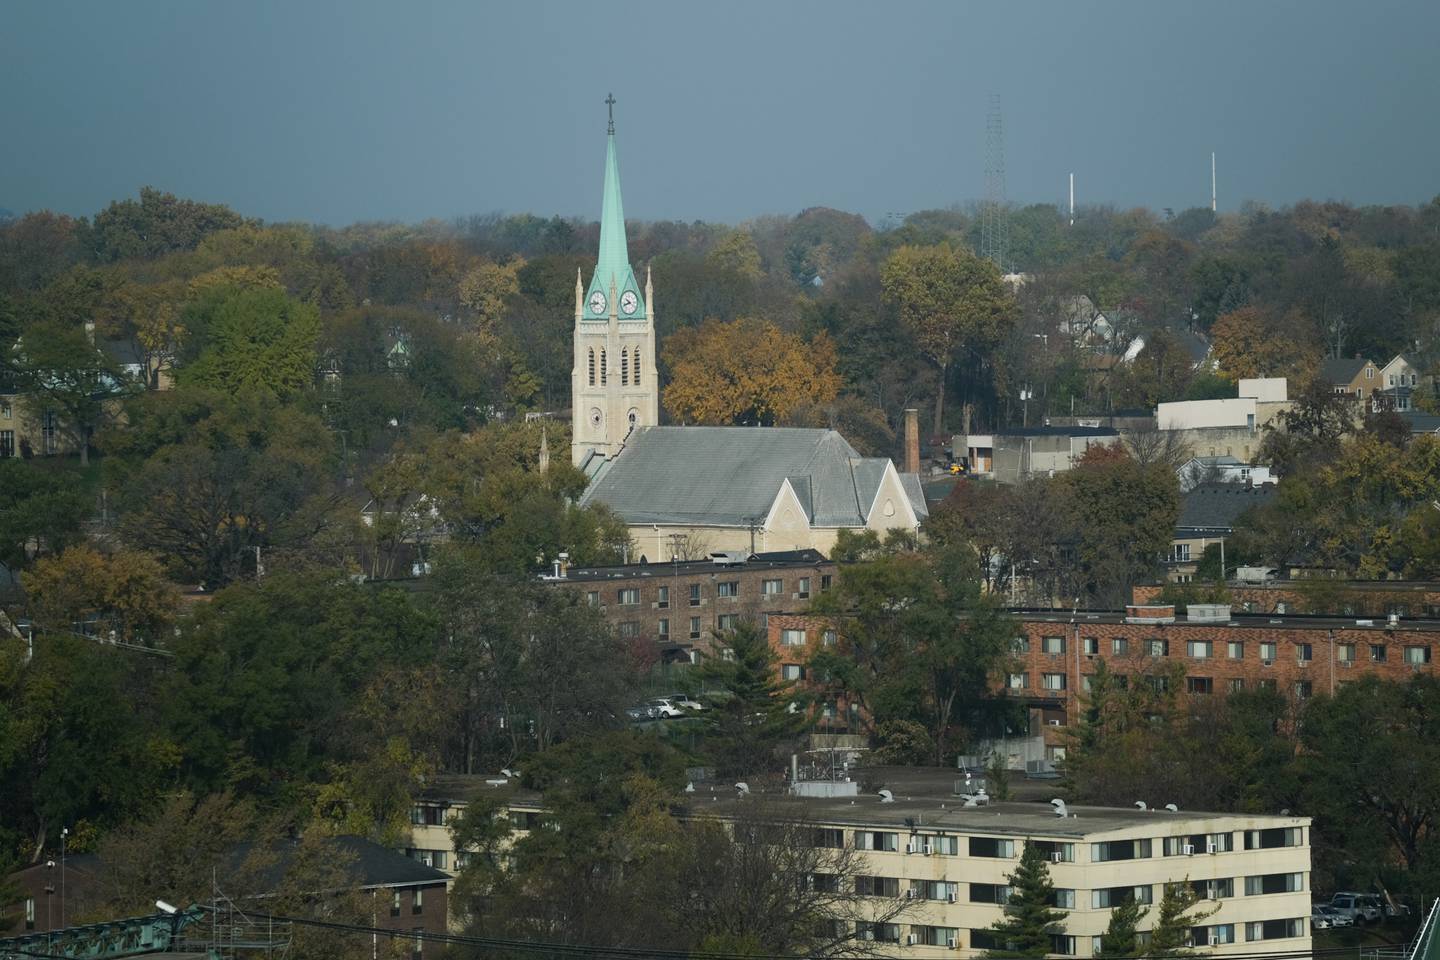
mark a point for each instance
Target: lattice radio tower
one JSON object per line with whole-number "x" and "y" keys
{"x": 992, "y": 214}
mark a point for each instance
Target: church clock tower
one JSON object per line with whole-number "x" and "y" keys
{"x": 614, "y": 387}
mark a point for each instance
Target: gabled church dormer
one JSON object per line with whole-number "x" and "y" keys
{"x": 614, "y": 380}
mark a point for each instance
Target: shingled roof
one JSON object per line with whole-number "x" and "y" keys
{"x": 726, "y": 476}
{"x": 1342, "y": 370}
{"x": 1216, "y": 506}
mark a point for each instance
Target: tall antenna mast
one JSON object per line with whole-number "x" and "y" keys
{"x": 992, "y": 215}
{"x": 1212, "y": 181}
{"x": 1072, "y": 199}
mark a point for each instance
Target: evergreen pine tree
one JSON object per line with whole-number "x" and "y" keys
{"x": 1174, "y": 920}
{"x": 756, "y": 711}
{"x": 1030, "y": 918}
{"x": 1120, "y": 938}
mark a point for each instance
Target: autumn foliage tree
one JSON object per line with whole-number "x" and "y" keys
{"x": 1245, "y": 343}
{"x": 948, "y": 298}
{"x": 746, "y": 372}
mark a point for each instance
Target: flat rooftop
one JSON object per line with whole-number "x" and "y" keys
{"x": 1257, "y": 621}
{"x": 758, "y": 561}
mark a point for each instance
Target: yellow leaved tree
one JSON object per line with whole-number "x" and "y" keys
{"x": 746, "y": 372}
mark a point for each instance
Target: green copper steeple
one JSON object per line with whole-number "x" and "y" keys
{"x": 613, "y": 266}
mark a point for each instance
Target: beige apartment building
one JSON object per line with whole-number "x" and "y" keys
{"x": 950, "y": 863}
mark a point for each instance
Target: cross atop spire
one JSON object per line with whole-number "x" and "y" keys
{"x": 610, "y": 102}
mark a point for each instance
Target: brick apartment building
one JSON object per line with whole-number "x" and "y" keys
{"x": 1055, "y": 653}
{"x": 681, "y": 606}
{"x": 1325, "y": 597}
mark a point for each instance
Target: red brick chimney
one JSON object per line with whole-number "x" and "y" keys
{"x": 912, "y": 441}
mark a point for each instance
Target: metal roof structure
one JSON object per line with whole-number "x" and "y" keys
{"x": 730, "y": 476}
{"x": 613, "y": 276}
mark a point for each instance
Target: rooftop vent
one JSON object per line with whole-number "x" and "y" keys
{"x": 1150, "y": 613}
{"x": 729, "y": 558}
{"x": 1208, "y": 612}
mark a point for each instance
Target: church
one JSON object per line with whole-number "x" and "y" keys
{"x": 689, "y": 491}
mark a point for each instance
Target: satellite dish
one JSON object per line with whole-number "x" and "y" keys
{"x": 743, "y": 787}
{"x": 886, "y": 796}
{"x": 1140, "y": 805}
{"x": 1172, "y": 808}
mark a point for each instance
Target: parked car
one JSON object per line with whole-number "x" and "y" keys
{"x": 665, "y": 708}
{"x": 1359, "y": 907}
{"x": 685, "y": 700}
{"x": 641, "y": 713}
{"x": 1323, "y": 916}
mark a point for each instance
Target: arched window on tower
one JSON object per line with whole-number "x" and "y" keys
{"x": 592, "y": 366}
{"x": 603, "y": 376}
{"x": 624, "y": 367}
{"x": 636, "y": 377}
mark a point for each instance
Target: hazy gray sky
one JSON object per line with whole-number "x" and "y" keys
{"x": 342, "y": 111}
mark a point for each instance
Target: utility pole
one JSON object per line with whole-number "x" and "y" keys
{"x": 1212, "y": 181}
{"x": 1072, "y": 199}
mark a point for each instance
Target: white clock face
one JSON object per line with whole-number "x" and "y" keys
{"x": 597, "y": 302}
{"x": 596, "y": 417}
{"x": 628, "y": 301}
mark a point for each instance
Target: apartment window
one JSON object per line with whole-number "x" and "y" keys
{"x": 1267, "y": 650}
{"x": 727, "y": 588}
{"x": 1090, "y": 646}
{"x": 1214, "y": 935}
{"x": 992, "y": 847}
{"x": 1087, "y": 682}
{"x": 828, "y": 638}
{"x": 792, "y": 638}
{"x": 694, "y": 628}
{"x": 1020, "y": 645}
{"x": 1417, "y": 655}
{"x": 1199, "y": 685}
{"x": 1157, "y": 648}
{"x": 1235, "y": 684}
{"x": 1213, "y": 889}
{"x": 1303, "y": 690}
{"x": 825, "y": 581}
{"x": 877, "y": 840}
{"x": 29, "y": 901}
{"x": 1119, "y": 646}
{"x": 804, "y": 588}
{"x": 1377, "y": 653}
{"x": 630, "y": 629}
{"x": 593, "y": 598}
{"x": 395, "y": 903}
{"x": 1108, "y": 897}
{"x": 1304, "y": 653}
{"x": 933, "y": 890}
{"x": 792, "y": 671}
{"x": 1235, "y": 649}
{"x": 417, "y": 901}
{"x": 1062, "y": 897}
{"x": 47, "y": 432}
{"x": 7, "y": 443}
{"x": 662, "y": 598}
{"x": 1119, "y": 850}
{"x": 1053, "y": 681}
{"x": 829, "y": 838}
{"x": 1055, "y": 851}
{"x": 663, "y": 629}
{"x": 772, "y": 588}
{"x": 5, "y": 412}
{"x": 629, "y": 597}
{"x": 1200, "y": 649}
{"x": 1272, "y": 838}
{"x": 989, "y": 893}
{"x": 424, "y": 815}
{"x": 1157, "y": 684}
{"x": 1274, "y": 929}
{"x": 1275, "y": 884}
{"x": 928, "y": 936}
{"x": 694, "y": 594}
{"x": 1180, "y": 553}
{"x": 1019, "y": 681}
{"x": 879, "y": 932}
{"x": 1052, "y": 645}
{"x": 945, "y": 846}
{"x": 1369, "y": 373}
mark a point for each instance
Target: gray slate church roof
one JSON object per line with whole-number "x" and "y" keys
{"x": 729, "y": 476}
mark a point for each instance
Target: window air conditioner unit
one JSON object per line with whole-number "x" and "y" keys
{"x": 868, "y": 935}
{"x": 927, "y": 849}
{"x": 952, "y": 897}
{"x": 1347, "y": 664}
{"x": 1214, "y": 940}
{"x": 909, "y": 939}
{"x": 1054, "y": 723}
{"x": 1057, "y": 857}
{"x": 1267, "y": 663}
{"x": 950, "y": 942}
{"x": 1211, "y": 846}
{"x": 1188, "y": 849}
{"x": 909, "y": 894}
{"x": 913, "y": 846}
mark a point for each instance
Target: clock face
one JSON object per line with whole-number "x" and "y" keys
{"x": 596, "y": 417}
{"x": 597, "y": 302}
{"x": 628, "y": 301}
